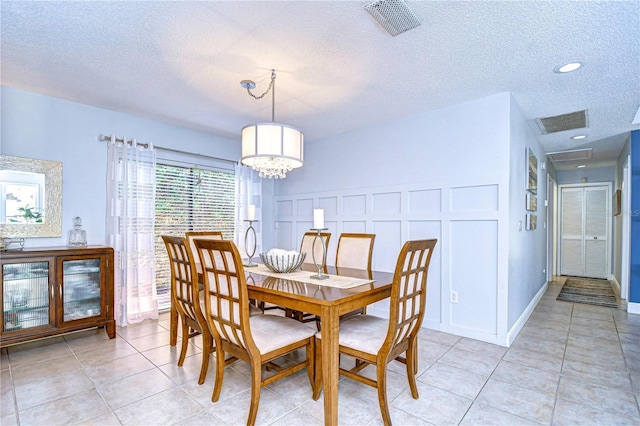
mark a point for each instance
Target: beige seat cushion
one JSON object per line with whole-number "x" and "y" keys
{"x": 365, "y": 333}
{"x": 271, "y": 332}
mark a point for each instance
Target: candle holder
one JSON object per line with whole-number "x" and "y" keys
{"x": 251, "y": 252}
{"x": 320, "y": 275}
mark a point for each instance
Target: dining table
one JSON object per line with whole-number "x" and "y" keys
{"x": 328, "y": 299}
{"x": 343, "y": 291}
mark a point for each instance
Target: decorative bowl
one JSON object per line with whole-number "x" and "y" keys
{"x": 282, "y": 261}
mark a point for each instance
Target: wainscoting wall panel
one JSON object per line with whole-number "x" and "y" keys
{"x": 425, "y": 201}
{"x": 464, "y": 216}
{"x": 354, "y": 205}
{"x": 474, "y": 274}
{"x": 387, "y": 203}
{"x": 356, "y": 226}
{"x": 474, "y": 198}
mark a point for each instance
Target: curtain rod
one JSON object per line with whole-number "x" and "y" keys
{"x": 177, "y": 151}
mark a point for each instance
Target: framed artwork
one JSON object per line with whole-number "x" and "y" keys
{"x": 617, "y": 200}
{"x": 532, "y": 202}
{"x": 532, "y": 222}
{"x": 532, "y": 172}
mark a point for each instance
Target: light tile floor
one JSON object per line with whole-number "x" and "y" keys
{"x": 571, "y": 364}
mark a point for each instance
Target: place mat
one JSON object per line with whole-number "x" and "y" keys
{"x": 305, "y": 277}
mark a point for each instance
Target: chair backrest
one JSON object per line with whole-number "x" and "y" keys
{"x": 409, "y": 290}
{"x": 225, "y": 293}
{"x": 306, "y": 246}
{"x": 355, "y": 251}
{"x": 201, "y": 235}
{"x": 184, "y": 285}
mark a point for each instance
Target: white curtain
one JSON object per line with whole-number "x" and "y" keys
{"x": 248, "y": 191}
{"x": 130, "y": 228}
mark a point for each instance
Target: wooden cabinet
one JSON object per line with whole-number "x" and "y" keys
{"x": 48, "y": 291}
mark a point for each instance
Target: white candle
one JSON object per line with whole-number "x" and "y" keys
{"x": 251, "y": 212}
{"x": 318, "y": 218}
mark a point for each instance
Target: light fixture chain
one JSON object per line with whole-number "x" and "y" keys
{"x": 273, "y": 78}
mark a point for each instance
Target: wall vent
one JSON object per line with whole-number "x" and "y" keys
{"x": 560, "y": 123}
{"x": 394, "y": 16}
{"x": 572, "y": 155}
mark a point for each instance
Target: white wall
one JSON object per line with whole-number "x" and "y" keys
{"x": 48, "y": 128}
{"x": 527, "y": 248}
{"x": 444, "y": 174}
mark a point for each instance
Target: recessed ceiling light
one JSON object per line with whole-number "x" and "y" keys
{"x": 578, "y": 137}
{"x": 568, "y": 67}
{"x": 581, "y": 166}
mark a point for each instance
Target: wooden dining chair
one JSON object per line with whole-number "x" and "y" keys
{"x": 355, "y": 251}
{"x": 378, "y": 341}
{"x": 201, "y": 235}
{"x": 185, "y": 294}
{"x": 306, "y": 246}
{"x": 257, "y": 340}
{"x": 173, "y": 313}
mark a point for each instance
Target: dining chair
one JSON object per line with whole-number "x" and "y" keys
{"x": 306, "y": 246}
{"x": 185, "y": 295}
{"x": 378, "y": 341}
{"x": 201, "y": 235}
{"x": 257, "y": 340}
{"x": 173, "y": 314}
{"x": 355, "y": 251}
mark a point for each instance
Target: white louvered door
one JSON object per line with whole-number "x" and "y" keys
{"x": 584, "y": 237}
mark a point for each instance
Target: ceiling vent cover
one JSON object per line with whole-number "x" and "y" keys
{"x": 394, "y": 15}
{"x": 560, "y": 123}
{"x": 573, "y": 155}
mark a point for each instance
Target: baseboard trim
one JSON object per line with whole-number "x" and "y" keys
{"x": 513, "y": 333}
{"x": 633, "y": 308}
{"x": 616, "y": 285}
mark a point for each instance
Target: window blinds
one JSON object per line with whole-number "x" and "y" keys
{"x": 189, "y": 199}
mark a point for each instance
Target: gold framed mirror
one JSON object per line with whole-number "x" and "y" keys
{"x": 30, "y": 197}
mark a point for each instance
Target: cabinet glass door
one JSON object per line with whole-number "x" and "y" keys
{"x": 25, "y": 295}
{"x": 81, "y": 289}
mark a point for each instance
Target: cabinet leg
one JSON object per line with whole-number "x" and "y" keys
{"x": 111, "y": 329}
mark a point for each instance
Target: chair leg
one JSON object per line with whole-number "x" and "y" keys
{"x": 256, "y": 384}
{"x": 173, "y": 324}
{"x": 207, "y": 343}
{"x": 317, "y": 380}
{"x": 412, "y": 363}
{"x": 220, "y": 364}
{"x": 311, "y": 359}
{"x": 382, "y": 393}
{"x": 185, "y": 343}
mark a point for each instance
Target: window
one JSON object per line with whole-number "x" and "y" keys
{"x": 189, "y": 199}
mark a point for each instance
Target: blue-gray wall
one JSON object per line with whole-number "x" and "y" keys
{"x": 634, "y": 283}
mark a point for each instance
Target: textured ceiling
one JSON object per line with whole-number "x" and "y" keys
{"x": 337, "y": 69}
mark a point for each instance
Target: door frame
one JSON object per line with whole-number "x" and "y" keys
{"x": 609, "y": 221}
{"x": 625, "y": 253}
{"x": 552, "y": 226}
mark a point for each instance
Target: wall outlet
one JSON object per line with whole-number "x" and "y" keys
{"x": 454, "y": 297}
{"x": 275, "y": 225}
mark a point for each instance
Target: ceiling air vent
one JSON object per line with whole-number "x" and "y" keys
{"x": 560, "y": 123}
{"x": 573, "y": 155}
{"x": 394, "y": 16}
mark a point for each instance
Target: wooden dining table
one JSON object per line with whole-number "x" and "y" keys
{"x": 327, "y": 302}
{"x": 320, "y": 299}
